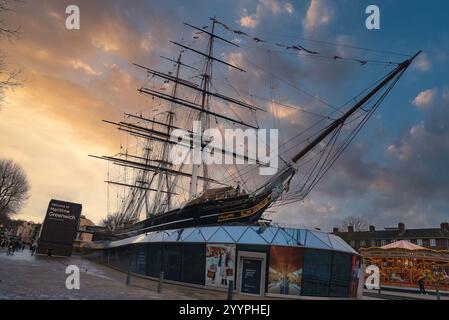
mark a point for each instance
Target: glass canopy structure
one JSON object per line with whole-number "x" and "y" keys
{"x": 258, "y": 260}
{"x": 254, "y": 235}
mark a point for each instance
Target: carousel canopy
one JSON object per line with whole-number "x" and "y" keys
{"x": 402, "y": 244}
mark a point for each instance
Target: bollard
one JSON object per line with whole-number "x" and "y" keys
{"x": 161, "y": 279}
{"x": 438, "y": 290}
{"x": 128, "y": 277}
{"x": 230, "y": 289}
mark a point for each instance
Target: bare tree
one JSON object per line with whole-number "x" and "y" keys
{"x": 118, "y": 221}
{"x": 358, "y": 223}
{"x": 8, "y": 78}
{"x": 14, "y": 188}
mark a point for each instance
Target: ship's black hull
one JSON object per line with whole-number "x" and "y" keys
{"x": 235, "y": 210}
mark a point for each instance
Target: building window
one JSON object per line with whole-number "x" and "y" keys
{"x": 352, "y": 243}
{"x": 433, "y": 243}
{"x": 419, "y": 242}
{"x": 383, "y": 242}
{"x": 362, "y": 243}
{"x": 373, "y": 243}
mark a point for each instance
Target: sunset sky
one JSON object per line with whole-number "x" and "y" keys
{"x": 397, "y": 170}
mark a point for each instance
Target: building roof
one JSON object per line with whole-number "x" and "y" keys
{"x": 238, "y": 235}
{"x": 402, "y": 244}
{"x": 431, "y": 233}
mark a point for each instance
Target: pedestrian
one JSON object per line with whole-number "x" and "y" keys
{"x": 422, "y": 289}
{"x": 10, "y": 249}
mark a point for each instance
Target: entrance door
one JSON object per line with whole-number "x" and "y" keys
{"x": 252, "y": 273}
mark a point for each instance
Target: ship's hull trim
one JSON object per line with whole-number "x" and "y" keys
{"x": 238, "y": 210}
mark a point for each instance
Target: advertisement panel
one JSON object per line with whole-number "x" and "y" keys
{"x": 285, "y": 271}
{"x": 59, "y": 228}
{"x": 220, "y": 264}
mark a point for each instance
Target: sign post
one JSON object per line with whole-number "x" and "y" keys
{"x": 60, "y": 228}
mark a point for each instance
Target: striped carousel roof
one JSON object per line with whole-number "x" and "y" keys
{"x": 403, "y": 244}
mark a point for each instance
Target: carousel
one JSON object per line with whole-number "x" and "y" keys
{"x": 403, "y": 263}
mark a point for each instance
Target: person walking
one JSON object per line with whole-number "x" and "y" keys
{"x": 422, "y": 289}
{"x": 10, "y": 249}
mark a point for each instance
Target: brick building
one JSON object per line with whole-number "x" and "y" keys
{"x": 83, "y": 235}
{"x": 433, "y": 238}
{"x": 27, "y": 232}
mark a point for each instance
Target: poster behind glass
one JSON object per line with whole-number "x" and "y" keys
{"x": 220, "y": 264}
{"x": 285, "y": 272}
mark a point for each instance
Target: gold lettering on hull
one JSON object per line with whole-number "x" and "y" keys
{"x": 232, "y": 215}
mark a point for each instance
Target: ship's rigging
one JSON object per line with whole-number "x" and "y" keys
{"x": 176, "y": 195}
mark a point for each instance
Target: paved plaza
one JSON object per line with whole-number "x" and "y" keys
{"x": 39, "y": 277}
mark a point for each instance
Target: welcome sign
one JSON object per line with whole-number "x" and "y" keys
{"x": 60, "y": 228}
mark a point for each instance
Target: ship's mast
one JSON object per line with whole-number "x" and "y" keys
{"x": 163, "y": 177}
{"x": 203, "y": 117}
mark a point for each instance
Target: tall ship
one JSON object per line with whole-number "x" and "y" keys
{"x": 193, "y": 97}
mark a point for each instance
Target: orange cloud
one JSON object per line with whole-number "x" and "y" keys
{"x": 73, "y": 80}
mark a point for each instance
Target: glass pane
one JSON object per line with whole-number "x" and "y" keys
{"x": 251, "y": 236}
{"x": 315, "y": 289}
{"x": 208, "y": 232}
{"x": 344, "y": 244}
{"x": 195, "y": 236}
{"x": 154, "y": 260}
{"x": 323, "y": 237}
{"x": 187, "y": 232}
{"x": 171, "y": 261}
{"x": 338, "y": 245}
{"x": 283, "y": 238}
{"x": 266, "y": 233}
{"x": 341, "y": 268}
{"x": 140, "y": 265}
{"x": 194, "y": 262}
{"x": 313, "y": 242}
{"x": 293, "y": 233}
{"x": 221, "y": 236}
{"x": 317, "y": 265}
{"x": 235, "y": 232}
{"x": 302, "y": 237}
